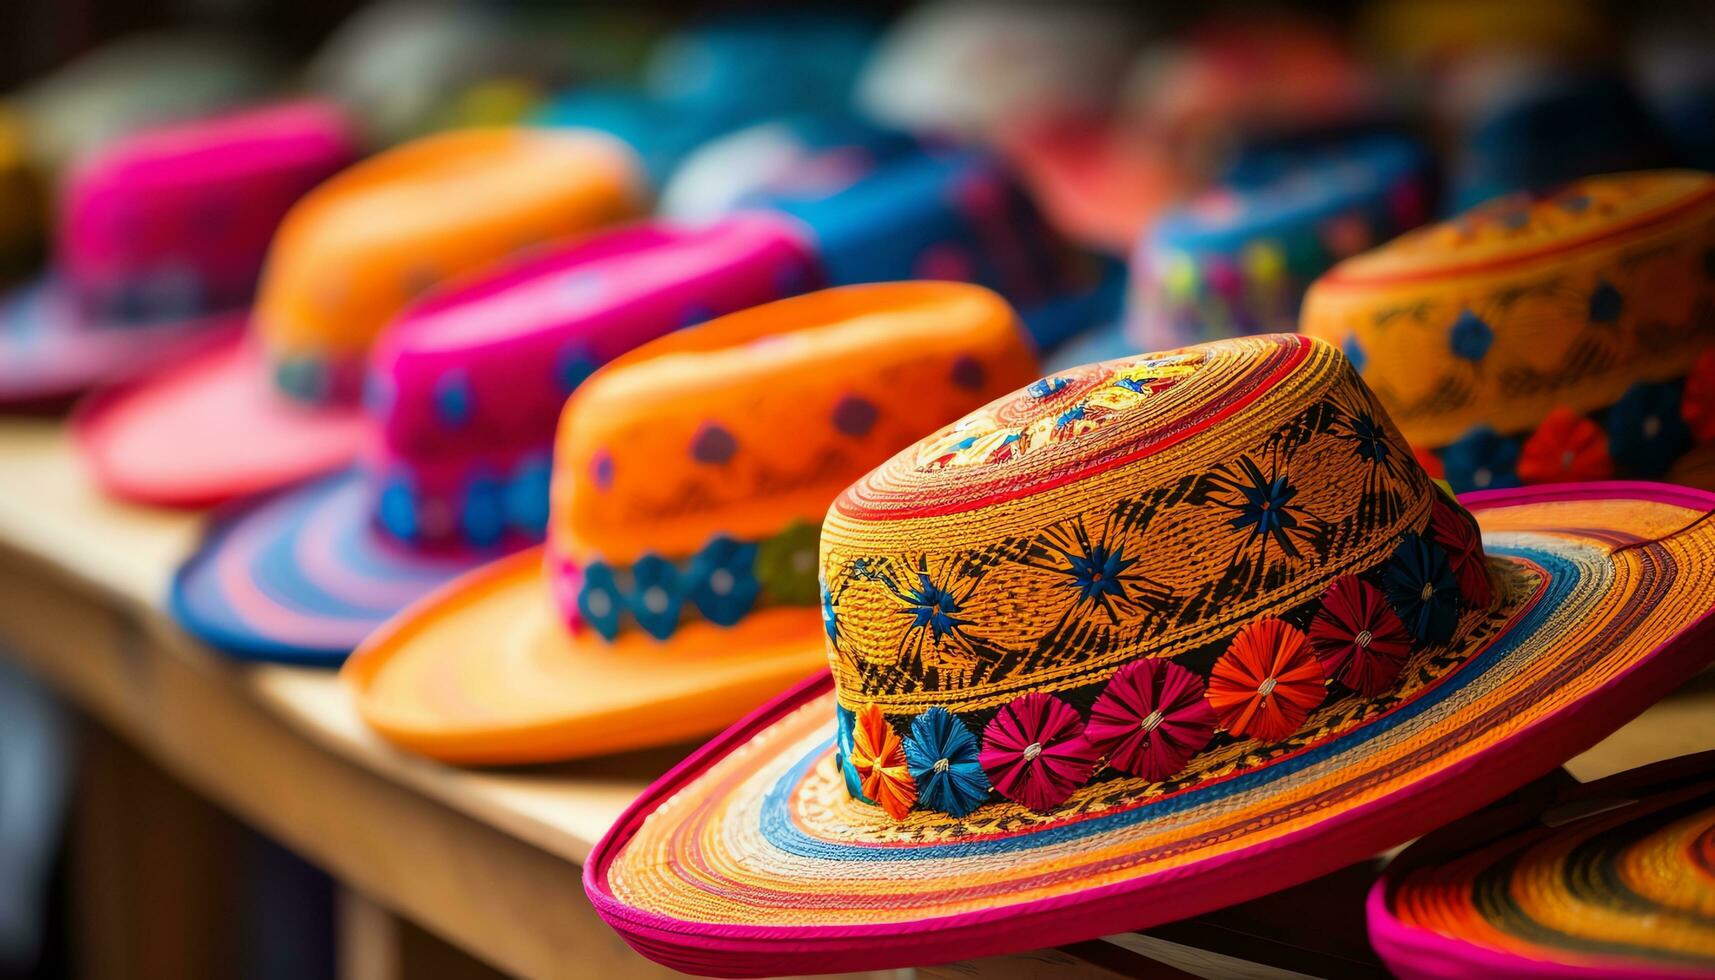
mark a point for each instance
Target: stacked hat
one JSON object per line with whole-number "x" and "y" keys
{"x": 1534, "y": 341}
{"x": 284, "y": 404}
{"x": 678, "y": 587}
{"x": 464, "y": 392}
{"x": 955, "y": 215}
{"x": 1237, "y": 259}
{"x": 1615, "y": 878}
{"x": 1143, "y": 639}
{"x": 160, "y": 243}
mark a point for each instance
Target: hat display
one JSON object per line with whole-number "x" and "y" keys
{"x": 283, "y": 405}
{"x": 1613, "y": 878}
{"x": 1534, "y": 341}
{"x": 955, "y": 215}
{"x": 159, "y": 244}
{"x": 464, "y": 392}
{"x": 677, "y": 590}
{"x": 1143, "y": 639}
{"x": 1237, "y": 259}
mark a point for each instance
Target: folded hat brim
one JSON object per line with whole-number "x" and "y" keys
{"x": 302, "y": 576}
{"x": 49, "y": 351}
{"x": 485, "y": 671}
{"x": 209, "y": 430}
{"x": 763, "y": 864}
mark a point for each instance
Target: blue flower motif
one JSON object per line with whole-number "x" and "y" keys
{"x": 397, "y": 509}
{"x": 599, "y": 601}
{"x": 572, "y": 367}
{"x": 1421, "y": 588}
{"x": 1646, "y": 432}
{"x": 934, "y": 607}
{"x": 527, "y": 496}
{"x": 1471, "y": 337}
{"x": 722, "y": 580}
{"x": 1069, "y": 416}
{"x": 943, "y": 757}
{"x": 1354, "y": 352}
{"x": 656, "y": 596}
{"x": 830, "y": 618}
{"x": 1605, "y": 304}
{"x": 1044, "y": 387}
{"x": 483, "y": 517}
{"x": 1099, "y": 574}
{"x": 1265, "y": 507}
{"x": 844, "y": 723}
{"x": 1481, "y": 459}
{"x": 453, "y": 397}
{"x": 1369, "y": 439}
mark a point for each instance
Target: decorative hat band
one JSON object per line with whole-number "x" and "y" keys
{"x": 1642, "y": 436}
{"x": 722, "y": 583}
{"x": 479, "y": 505}
{"x": 1231, "y": 535}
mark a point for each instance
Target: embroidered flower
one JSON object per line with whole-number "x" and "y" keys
{"x": 1151, "y": 719}
{"x": 1044, "y": 387}
{"x": 1646, "y": 433}
{"x": 1099, "y": 575}
{"x": 1265, "y": 507}
{"x": 483, "y": 516}
{"x": 599, "y": 601}
{"x": 946, "y": 763}
{"x": 934, "y": 607}
{"x": 1369, "y": 439}
{"x": 1035, "y": 753}
{"x": 878, "y": 756}
{"x": 1481, "y": 460}
{"x": 527, "y": 495}
{"x": 1605, "y": 304}
{"x": 1456, "y": 531}
{"x": 845, "y": 725}
{"x": 1471, "y": 337}
{"x": 1360, "y": 641}
{"x": 397, "y": 509}
{"x": 1566, "y": 446}
{"x": 1421, "y": 588}
{"x": 1698, "y": 404}
{"x": 786, "y": 563}
{"x": 1267, "y": 682}
{"x": 453, "y": 398}
{"x": 656, "y": 595}
{"x": 721, "y": 582}
{"x": 572, "y": 367}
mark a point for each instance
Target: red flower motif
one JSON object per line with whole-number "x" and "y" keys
{"x": 1358, "y": 637}
{"x": 1698, "y": 404}
{"x": 1035, "y": 753}
{"x": 1566, "y": 446}
{"x": 1455, "y": 530}
{"x": 878, "y": 755}
{"x": 1267, "y": 682}
{"x": 1151, "y": 719}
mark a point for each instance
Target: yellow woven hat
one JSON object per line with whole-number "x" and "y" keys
{"x": 1570, "y": 337}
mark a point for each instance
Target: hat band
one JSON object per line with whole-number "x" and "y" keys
{"x": 725, "y": 581}
{"x": 145, "y": 297}
{"x": 1152, "y": 716}
{"x": 1641, "y": 436}
{"x": 479, "y": 507}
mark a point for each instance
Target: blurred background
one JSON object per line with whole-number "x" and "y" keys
{"x": 1139, "y": 130}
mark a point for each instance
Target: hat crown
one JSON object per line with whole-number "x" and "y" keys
{"x": 1144, "y": 508}
{"x": 364, "y": 244}
{"x": 174, "y": 221}
{"x": 727, "y": 441}
{"x": 467, "y": 386}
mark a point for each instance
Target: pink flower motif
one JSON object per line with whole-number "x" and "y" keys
{"x": 1035, "y": 753}
{"x": 1358, "y": 637}
{"x": 1151, "y": 719}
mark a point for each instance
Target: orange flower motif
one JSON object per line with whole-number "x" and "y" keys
{"x": 1267, "y": 682}
{"x": 878, "y": 755}
{"x": 1566, "y": 446}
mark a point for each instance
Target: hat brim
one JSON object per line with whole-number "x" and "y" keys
{"x": 209, "y": 430}
{"x": 751, "y": 859}
{"x": 49, "y": 352}
{"x": 486, "y": 672}
{"x": 302, "y": 576}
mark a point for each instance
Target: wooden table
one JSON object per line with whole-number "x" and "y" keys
{"x": 487, "y": 860}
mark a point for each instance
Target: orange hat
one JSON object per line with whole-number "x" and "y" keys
{"x": 346, "y": 260}
{"x": 1567, "y": 338}
{"x": 678, "y": 587}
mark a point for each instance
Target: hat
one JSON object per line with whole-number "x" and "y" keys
{"x": 465, "y": 389}
{"x": 1144, "y": 639}
{"x": 160, "y": 242}
{"x": 1567, "y": 338}
{"x": 1238, "y": 258}
{"x": 960, "y": 215}
{"x": 22, "y": 209}
{"x": 677, "y": 590}
{"x": 283, "y": 405}
{"x": 1613, "y": 878}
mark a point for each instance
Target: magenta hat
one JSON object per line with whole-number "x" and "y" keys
{"x": 160, "y": 244}
{"x": 464, "y": 393}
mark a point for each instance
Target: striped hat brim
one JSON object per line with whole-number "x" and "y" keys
{"x": 752, "y": 859}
